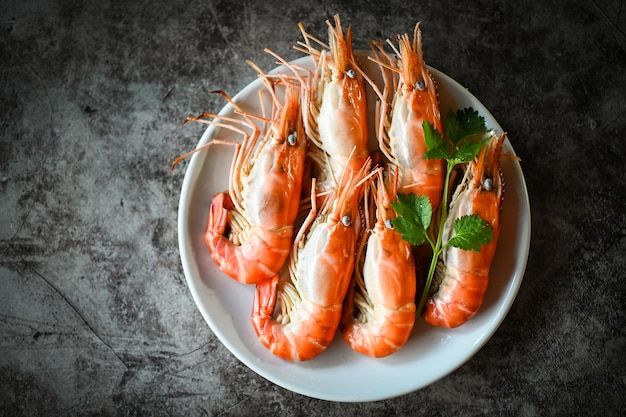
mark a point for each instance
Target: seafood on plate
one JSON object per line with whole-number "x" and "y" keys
{"x": 296, "y": 314}
{"x": 379, "y": 310}
{"x": 333, "y": 261}
{"x": 251, "y": 225}
{"x": 462, "y": 276}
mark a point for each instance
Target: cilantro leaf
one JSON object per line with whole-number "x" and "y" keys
{"x": 471, "y": 232}
{"x": 452, "y": 128}
{"x": 409, "y": 230}
{"x": 437, "y": 153}
{"x": 434, "y": 142}
{"x": 414, "y": 205}
{"x": 468, "y": 151}
{"x": 414, "y": 216}
{"x": 465, "y": 123}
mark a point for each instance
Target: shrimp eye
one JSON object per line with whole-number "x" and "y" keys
{"x": 388, "y": 224}
{"x": 488, "y": 184}
{"x": 346, "y": 220}
{"x": 350, "y": 73}
{"x": 292, "y": 139}
{"x": 420, "y": 85}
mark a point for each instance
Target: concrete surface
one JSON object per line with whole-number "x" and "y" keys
{"x": 95, "y": 314}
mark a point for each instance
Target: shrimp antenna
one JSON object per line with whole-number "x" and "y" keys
{"x": 294, "y": 68}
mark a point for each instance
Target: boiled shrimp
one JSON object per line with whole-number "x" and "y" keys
{"x": 400, "y": 132}
{"x": 335, "y": 103}
{"x": 310, "y": 292}
{"x": 251, "y": 226}
{"x": 379, "y": 311}
{"x": 462, "y": 276}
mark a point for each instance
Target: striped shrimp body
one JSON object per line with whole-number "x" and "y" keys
{"x": 462, "y": 276}
{"x": 310, "y": 294}
{"x": 401, "y": 137}
{"x": 379, "y": 311}
{"x": 336, "y": 103}
{"x": 250, "y": 226}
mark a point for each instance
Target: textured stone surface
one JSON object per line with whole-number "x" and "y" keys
{"x": 95, "y": 314}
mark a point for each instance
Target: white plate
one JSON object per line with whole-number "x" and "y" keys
{"x": 340, "y": 374}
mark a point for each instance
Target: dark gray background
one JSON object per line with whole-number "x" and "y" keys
{"x": 95, "y": 314}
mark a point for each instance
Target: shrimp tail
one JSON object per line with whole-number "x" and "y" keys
{"x": 300, "y": 340}
{"x": 239, "y": 261}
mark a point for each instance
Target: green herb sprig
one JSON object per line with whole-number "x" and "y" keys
{"x": 463, "y": 140}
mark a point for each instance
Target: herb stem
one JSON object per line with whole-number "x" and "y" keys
{"x": 437, "y": 247}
